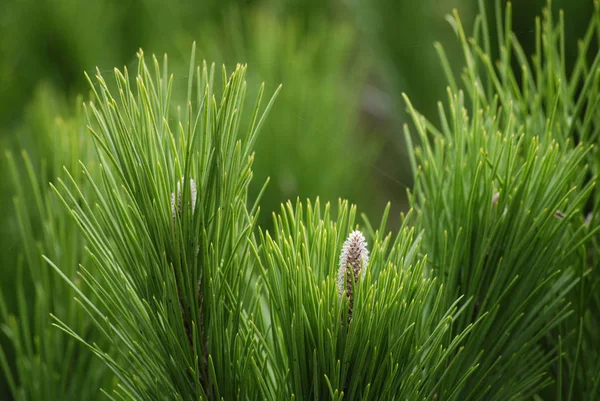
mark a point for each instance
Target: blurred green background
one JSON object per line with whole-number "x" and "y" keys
{"x": 335, "y": 130}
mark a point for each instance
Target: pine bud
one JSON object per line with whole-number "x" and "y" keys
{"x": 177, "y": 200}
{"x": 495, "y": 199}
{"x": 353, "y": 264}
{"x": 588, "y": 219}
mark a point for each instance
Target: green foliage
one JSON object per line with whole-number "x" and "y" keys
{"x": 174, "y": 273}
{"x": 496, "y": 210}
{"x": 55, "y": 40}
{"x": 487, "y": 291}
{"x": 315, "y": 125}
{"x": 501, "y": 191}
{"x": 46, "y": 364}
{"x": 316, "y": 54}
{"x": 397, "y": 343}
{"x": 407, "y": 61}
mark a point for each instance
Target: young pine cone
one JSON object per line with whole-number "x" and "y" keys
{"x": 353, "y": 264}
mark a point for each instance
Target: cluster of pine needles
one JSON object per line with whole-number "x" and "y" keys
{"x": 145, "y": 275}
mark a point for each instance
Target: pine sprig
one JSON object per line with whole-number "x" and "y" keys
{"x": 174, "y": 293}
{"x": 47, "y": 364}
{"x": 396, "y": 343}
{"x": 501, "y": 188}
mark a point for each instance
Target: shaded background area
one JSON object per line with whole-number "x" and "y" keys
{"x": 335, "y": 130}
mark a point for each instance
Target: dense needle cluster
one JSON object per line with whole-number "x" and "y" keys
{"x": 488, "y": 290}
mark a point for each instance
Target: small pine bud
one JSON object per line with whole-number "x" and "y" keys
{"x": 353, "y": 263}
{"x": 588, "y": 219}
{"x": 495, "y": 199}
{"x": 559, "y": 215}
{"x": 177, "y": 200}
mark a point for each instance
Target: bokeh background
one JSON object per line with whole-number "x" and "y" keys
{"x": 336, "y": 128}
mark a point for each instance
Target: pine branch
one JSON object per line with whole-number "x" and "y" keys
{"x": 173, "y": 303}
{"x": 501, "y": 188}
